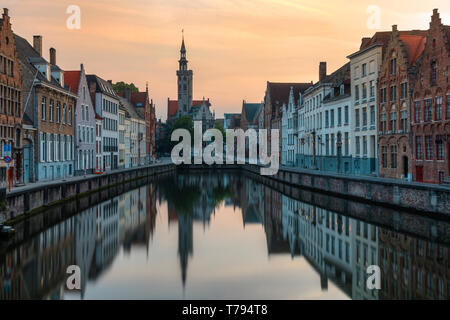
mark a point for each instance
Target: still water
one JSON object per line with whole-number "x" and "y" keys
{"x": 226, "y": 236}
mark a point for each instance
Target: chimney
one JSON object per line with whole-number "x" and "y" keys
{"x": 5, "y": 12}
{"x": 364, "y": 41}
{"x": 127, "y": 94}
{"x": 322, "y": 70}
{"x": 53, "y": 56}
{"x": 37, "y": 44}
{"x": 394, "y": 27}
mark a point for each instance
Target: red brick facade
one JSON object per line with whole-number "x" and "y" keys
{"x": 394, "y": 83}
{"x": 10, "y": 101}
{"x": 431, "y": 107}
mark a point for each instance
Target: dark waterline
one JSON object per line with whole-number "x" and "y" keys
{"x": 224, "y": 236}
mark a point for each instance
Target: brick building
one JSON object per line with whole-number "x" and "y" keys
{"x": 395, "y": 81}
{"x": 50, "y": 111}
{"x": 10, "y": 103}
{"x": 431, "y": 107}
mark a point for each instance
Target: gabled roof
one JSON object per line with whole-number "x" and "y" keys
{"x": 414, "y": 45}
{"x": 72, "y": 80}
{"x": 279, "y": 91}
{"x": 172, "y": 106}
{"x": 29, "y": 56}
{"x": 139, "y": 98}
{"x": 251, "y": 110}
{"x": 102, "y": 86}
{"x": 339, "y": 76}
{"x": 130, "y": 109}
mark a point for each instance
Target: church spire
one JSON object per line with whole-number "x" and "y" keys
{"x": 183, "y": 62}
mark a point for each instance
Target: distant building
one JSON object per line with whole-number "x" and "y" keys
{"x": 198, "y": 110}
{"x": 232, "y": 120}
{"x": 251, "y": 114}
{"x": 84, "y": 122}
{"x": 107, "y": 106}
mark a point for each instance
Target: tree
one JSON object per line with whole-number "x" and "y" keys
{"x": 184, "y": 122}
{"x": 120, "y": 87}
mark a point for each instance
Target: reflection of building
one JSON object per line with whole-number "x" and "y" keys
{"x": 36, "y": 269}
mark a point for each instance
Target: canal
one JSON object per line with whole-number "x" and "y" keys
{"x": 225, "y": 235}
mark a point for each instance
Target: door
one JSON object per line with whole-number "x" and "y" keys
{"x": 419, "y": 173}
{"x": 405, "y": 166}
{"x": 26, "y": 164}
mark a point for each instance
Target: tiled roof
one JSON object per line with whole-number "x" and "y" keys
{"x": 414, "y": 46}
{"x": 279, "y": 92}
{"x": 72, "y": 79}
{"x": 129, "y": 108}
{"x": 251, "y": 110}
{"x": 339, "y": 76}
{"x": 103, "y": 86}
{"x": 172, "y": 106}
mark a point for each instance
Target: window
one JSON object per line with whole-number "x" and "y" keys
{"x": 382, "y": 95}
{"x": 393, "y": 66}
{"x": 448, "y": 107}
{"x": 326, "y": 119}
{"x": 50, "y": 111}
{"x": 393, "y": 122}
{"x": 383, "y": 123}
{"x": 364, "y": 114}
{"x": 356, "y": 93}
{"x": 434, "y": 72}
{"x": 393, "y": 93}
{"x": 438, "y": 109}
{"x": 358, "y": 146}
{"x": 332, "y": 118}
{"x": 64, "y": 114}
{"x": 384, "y": 156}
{"x": 364, "y": 69}
{"x": 372, "y": 89}
{"x": 404, "y": 88}
{"x": 58, "y": 111}
{"x": 364, "y": 91}
{"x": 327, "y": 144}
{"x": 404, "y": 121}
{"x": 393, "y": 157}
{"x": 419, "y": 148}
{"x": 339, "y": 121}
{"x": 372, "y": 116}
{"x": 417, "y": 111}
{"x": 346, "y": 112}
{"x": 43, "y": 108}
{"x": 332, "y": 143}
{"x": 70, "y": 115}
{"x": 365, "y": 146}
{"x": 357, "y": 118}
{"x": 428, "y": 103}
{"x": 429, "y": 147}
{"x": 440, "y": 147}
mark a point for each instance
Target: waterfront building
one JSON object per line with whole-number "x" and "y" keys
{"x": 198, "y": 110}
{"x": 396, "y": 79}
{"x": 364, "y": 69}
{"x": 337, "y": 130}
{"x": 11, "y": 133}
{"x": 430, "y": 118}
{"x": 98, "y": 142}
{"x": 316, "y": 152}
{"x": 84, "y": 122}
{"x": 289, "y": 128}
{"x": 107, "y": 106}
{"x": 137, "y": 133}
{"x": 49, "y": 107}
{"x": 276, "y": 95}
{"x": 122, "y": 127}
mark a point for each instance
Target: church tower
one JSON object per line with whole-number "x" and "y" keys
{"x": 184, "y": 83}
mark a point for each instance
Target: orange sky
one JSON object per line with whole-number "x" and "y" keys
{"x": 233, "y": 46}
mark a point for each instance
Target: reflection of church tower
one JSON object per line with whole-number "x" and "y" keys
{"x": 185, "y": 242}
{"x": 184, "y": 83}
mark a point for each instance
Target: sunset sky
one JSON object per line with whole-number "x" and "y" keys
{"x": 233, "y": 46}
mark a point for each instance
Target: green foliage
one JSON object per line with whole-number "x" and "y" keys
{"x": 120, "y": 87}
{"x": 184, "y": 122}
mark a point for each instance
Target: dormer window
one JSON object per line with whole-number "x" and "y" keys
{"x": 341, "y": 90}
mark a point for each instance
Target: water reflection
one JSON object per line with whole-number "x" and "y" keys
{"x": 250, "y": 241}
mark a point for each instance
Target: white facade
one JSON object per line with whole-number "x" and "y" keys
{"x": 364, "y": 66}
{"x": 289, "y": 129}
